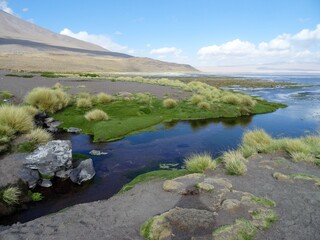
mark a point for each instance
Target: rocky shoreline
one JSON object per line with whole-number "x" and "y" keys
{"x": 259, "y": 204}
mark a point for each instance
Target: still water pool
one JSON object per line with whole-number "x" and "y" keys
{"x": 171, "y": 142}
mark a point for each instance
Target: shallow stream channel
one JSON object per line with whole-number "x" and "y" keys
{"x": 170, "y": 143}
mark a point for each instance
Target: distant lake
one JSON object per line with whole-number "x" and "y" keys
{"x": 171, "y": 142}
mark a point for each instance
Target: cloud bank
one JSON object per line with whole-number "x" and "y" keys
{"x": 4, "y": 7}
{"x": 302, "y": 47}
{"x": 101, "y": 40}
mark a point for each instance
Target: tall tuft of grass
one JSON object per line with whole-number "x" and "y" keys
{"x": 84, "y": 103}
{"x": 204, "y": 105}
{"x": 198, "y": 163}
{"x": 46, "y": 99}
{"x": 58, "y": 85}
{"x": 170, "y": 103}
{"x": 196, "y": 99}
{"x": 104, "y": 98}
{"x": 231, "y": 99}
{"x": 16, "y": 118}
{"x": 39, "y": 136}
{"x": 6, "y": 131}
{"x": 234, "y": 163}
{"x": 96, "y": 115}
{"x": 296, "y": 145}
{"x": 257, "y": 139}
{"x": 30, "y": 110}
{"x": 11, "y": 195}
{"x": 302, "y": 157}
{"x": 247, "y": 100}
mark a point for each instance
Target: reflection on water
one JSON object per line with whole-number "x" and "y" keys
{"x": 171, "y": 142}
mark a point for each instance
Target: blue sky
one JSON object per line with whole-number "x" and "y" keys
{"x": 198, "y": 32}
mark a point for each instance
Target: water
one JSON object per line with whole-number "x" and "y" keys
{"x": 171, "y": 142}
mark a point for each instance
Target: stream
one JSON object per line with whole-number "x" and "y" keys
{"x": 170, "y": 143}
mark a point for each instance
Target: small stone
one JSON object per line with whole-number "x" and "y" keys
{"x": 45, "y": 183}
{"x": 49, "y": 120}
{"x": 172, "y": 186}
{"x": 231, "y": 204}
{"x": 29, "y": 177}
{"x": 207, "y": 187}
{"x": 190, "y": 177}
{"x": 73, "y": 130}
{"x": 84, "y": 172}
{"x": 97, "y": 153}
{"x": 63, "y": 173}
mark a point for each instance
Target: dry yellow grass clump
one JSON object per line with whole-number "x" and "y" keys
{"x": 234, "y": 163}
{"x": 39, "y": 136}
{"x": 170, "y": 103}
{"x": 198, "y": 163}
{"x": 46, "y": 99}
{"x": 15, "y": 118}
{"x": 104, "y": 98}
{"x": 84, "y": 103}
{"x": 96, "y": 115}
{"x": 257, "y": 139}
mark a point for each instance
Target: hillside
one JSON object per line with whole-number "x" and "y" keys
{"x": 26, "y": 46}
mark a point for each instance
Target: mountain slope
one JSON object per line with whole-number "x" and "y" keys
{"x": 26, "y": 46}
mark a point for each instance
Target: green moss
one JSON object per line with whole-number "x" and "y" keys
{"x": 263, "y": 201}
{"x": 145, "y": 228}
{"x": 128, "y": 117}
{"x": 164, "y": 174}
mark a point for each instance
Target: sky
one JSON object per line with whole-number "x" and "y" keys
{"x": 207, "y": 34}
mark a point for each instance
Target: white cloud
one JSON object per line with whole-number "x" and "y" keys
{"x": 25, "y": 9}
{"x": 4, "y": 7}
{"x": 166, "y": 51}
{"x": 101, "y": 40}
{"x": 286, "y": 48}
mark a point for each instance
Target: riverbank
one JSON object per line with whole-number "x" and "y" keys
{"x": 122, "y": 216}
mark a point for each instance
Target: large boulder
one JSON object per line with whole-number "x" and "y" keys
{"x": 50, "y": 158}
{"x": 84, "y": 172}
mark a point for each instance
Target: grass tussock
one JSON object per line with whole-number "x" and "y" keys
{"x": 231, "y": 99}
{"x": 170, "y": 103}
{"x": 257, "y": 139}
{"x": 196, "y": 99}
{"x": 11, "y": 195}
{"x": 96, "y": 115}
{"x": 204, "y": 105}
{"x": 84, "y": 103}
{"x": 15, "y": 118}
{"x": 48, "y": 100}
{"x": 30, "y": 110}
{"x": 198, "y": 163}
{"x": 84, "y": 95}
{"x": 39, "y": 136}
{"x": 234, "y": 163}
{"x": 104, "y": 98}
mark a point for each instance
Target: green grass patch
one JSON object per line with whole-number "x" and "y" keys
{"x": 79, "y": 156}
{"x": 263, "y": 201}
{"x": 51, "y": 75}
{"x": 25, "y": 147}
{"x": 19, "y": 75}
{"x": 91, "y": 75}
{"x": 159, "y": 174}
{"x": 129, "y": 117}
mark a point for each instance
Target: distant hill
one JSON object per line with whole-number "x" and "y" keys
{"x": 26, "y": 46}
